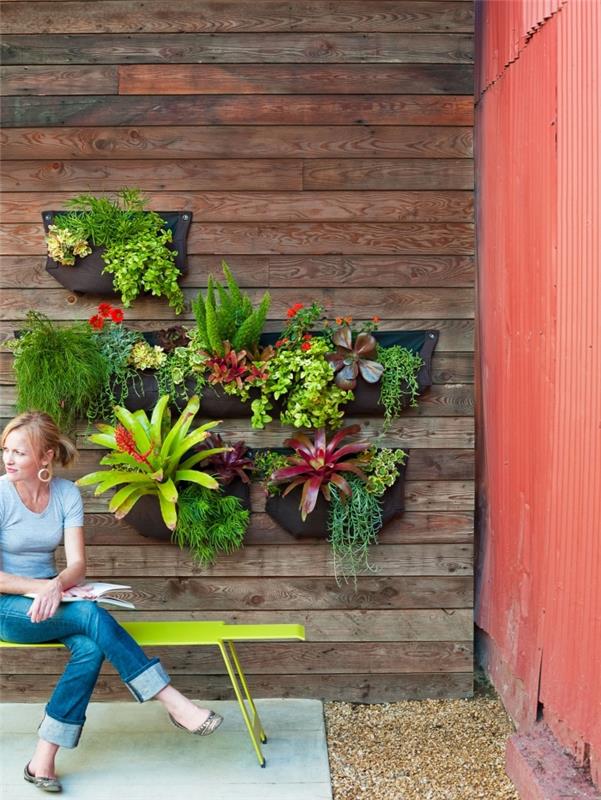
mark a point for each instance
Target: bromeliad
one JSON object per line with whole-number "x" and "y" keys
{"x": 150, "y": 457}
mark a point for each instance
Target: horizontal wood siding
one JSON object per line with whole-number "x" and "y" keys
{"x": 326, "y": 154}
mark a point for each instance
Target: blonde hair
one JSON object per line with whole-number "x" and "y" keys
{"x": 44, "y": 434}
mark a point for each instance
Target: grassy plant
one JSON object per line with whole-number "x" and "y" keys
{"x": 353, "y": 525}
{"x": 209, "y": 523}
{"x": 226, "y": 315}
{"x": 60, "y": 370}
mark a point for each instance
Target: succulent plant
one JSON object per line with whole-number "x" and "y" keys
{"x": 316, "y": 464}
{"x": 231, "y": 463}
{"x": 353, "y": 359}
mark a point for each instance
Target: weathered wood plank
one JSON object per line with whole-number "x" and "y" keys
{"x": 379, "y": 174}
{"x": 419, "y": 496}
{"x": 283, "y": 658}
{"x": 195, "y": 596}
{"x": 359, "y": 687}
{"x": 386, "y": 303}
{"x": 170, "y": 79}
{"x": 79, "y": 176}
{"x": 198, "y": 16}
{"x": 440, "y": 401}
{"x": 256, "y": 141}
{"x": 216, "y": 206}
{"x": 238, "y": 110}
{"x": 419, "y": 625}
{"x": 455, "y": 334}
{"x": 436, "y": 238}
{"x": 235, "y": 48}
{"x": 312, "y": 559}
{"x": 412, "y": 528}
{"x": 31, "y": 80}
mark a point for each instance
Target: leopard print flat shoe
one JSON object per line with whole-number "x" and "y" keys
{"x": 45, "y": 784}
{"x": 206, "y": 728}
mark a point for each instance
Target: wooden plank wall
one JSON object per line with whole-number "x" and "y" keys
{"x": 325, "y": 150}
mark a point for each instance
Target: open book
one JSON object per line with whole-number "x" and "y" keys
{"x": 99, "y": 592}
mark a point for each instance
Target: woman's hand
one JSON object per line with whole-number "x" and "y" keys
{"x": 46, "y": 601}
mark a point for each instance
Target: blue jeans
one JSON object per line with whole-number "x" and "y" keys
{"x": 91, "y": 634}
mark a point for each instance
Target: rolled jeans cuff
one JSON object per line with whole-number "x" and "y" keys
{"x": 64, "y": 734}
{"x": 146, "y": 684}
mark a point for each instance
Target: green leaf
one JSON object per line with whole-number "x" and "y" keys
{"x": 180, "y": 429}
{"x": 92, "y": 478}
{"x": 127, "y": 505}
{"x": 104, "y": 440}
{"x": 129, "y": 421}
{"x": 168, "y": 490}
{"x": 202, "y": 455}
{"x": 168, "y": 512}
{"x": 194, "y": 476}
{"x": 156, "y": 420}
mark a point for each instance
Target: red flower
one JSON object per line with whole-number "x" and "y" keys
{"x": 376, "y": 319}
{"x": 104, "y": 310}
{"x": 125, "y": 443}
{"x": 307, "y": 336}
{"x": 306, "y": 346}
{"x": 97, "y": 322}
{"x": 293, "y": 310}
{"x": 281, "y": 342}
{"x": 116, "y": 315}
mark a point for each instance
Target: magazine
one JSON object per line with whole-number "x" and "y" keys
{"x": 99, "y": 592}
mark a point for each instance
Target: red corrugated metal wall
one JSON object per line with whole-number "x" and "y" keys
{"x": 538, "y": 133}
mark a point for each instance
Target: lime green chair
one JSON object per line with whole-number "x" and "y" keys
{"x": 221, "y": 635}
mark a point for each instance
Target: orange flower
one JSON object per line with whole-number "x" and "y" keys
{"x": 376, "y": 319}
{"x": 338, "y": 320}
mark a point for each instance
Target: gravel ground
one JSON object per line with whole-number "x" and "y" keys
{"x": 420, "y": 749}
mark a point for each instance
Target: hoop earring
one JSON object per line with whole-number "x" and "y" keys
{"x": 45, "y": 478}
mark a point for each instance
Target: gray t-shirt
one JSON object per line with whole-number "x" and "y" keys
{"x": 28, "y": 539}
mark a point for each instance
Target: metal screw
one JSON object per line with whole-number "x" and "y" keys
{"x": 48, "y": 217}
{"x": 184, "y": 216}
{"x": 431, "y": 335}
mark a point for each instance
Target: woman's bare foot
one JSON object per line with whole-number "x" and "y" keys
{"x": 181, "y": 709}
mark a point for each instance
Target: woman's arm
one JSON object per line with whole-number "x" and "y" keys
{"x": 18, "y": 584}
{"x": 49, "y": 597}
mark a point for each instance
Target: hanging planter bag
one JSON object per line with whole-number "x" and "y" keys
{"x": 285, "y": 510}
{"x": 86, "y": 276}
{"x": 367, "y": 395}
{"x": 145, "y": 517}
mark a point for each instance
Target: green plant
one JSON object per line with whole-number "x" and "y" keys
{"x": 382, "y": 469}
{"x": 136, "y": 241}
{"x": 353, "y": 525}
{"x": 266, "y": 462}
{"x": 150, "y": 457}
{"x": 145, "y": 356}
{"x": 58, "y": 369}
{"x": 227, "y": 315}
{"x": 65, "y": 245}
{"x": 209, "y": 523}
{"x": 317, "y": 465}
{"x": 303, "y": 379}
{"x": 116, "y": 343}
{"x": 399, "y": 379}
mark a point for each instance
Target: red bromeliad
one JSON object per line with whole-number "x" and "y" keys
{"x": 126, "y": 444}
{"x": 316, "y": 464}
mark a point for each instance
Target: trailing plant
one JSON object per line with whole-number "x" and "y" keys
{"x": 58, "y": 369}
{"x": 232, "y": 462}
{"x": 209, "y": 523}
{"x": 135, "y": 241}
{"x": 116, "y": 343}
{"x": 399, "y": 380}
{"x": 382, "y": 469}
{"x": 317, "y": 465}
{"x": 353, "y": 525}
{"x": 150, "y": 457}
{"x": 226, "y": 315}
{"x": 354, "y": 358}
{"x": 300, "y": 376}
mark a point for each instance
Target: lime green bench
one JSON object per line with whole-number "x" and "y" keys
{"x": 221, "y": 635}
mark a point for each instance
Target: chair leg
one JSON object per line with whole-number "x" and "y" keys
{"x": 254, "y": 725}
{"x": 251, "y": 702}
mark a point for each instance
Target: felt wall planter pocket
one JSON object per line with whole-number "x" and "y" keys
{"x": 285, "y": 510}
{"x": 145, "y": 517}
{"x": 367, "y": 395}
{"x": 86, "y": 276}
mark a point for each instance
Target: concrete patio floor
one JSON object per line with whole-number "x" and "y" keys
{"x": 131, "y": 750}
